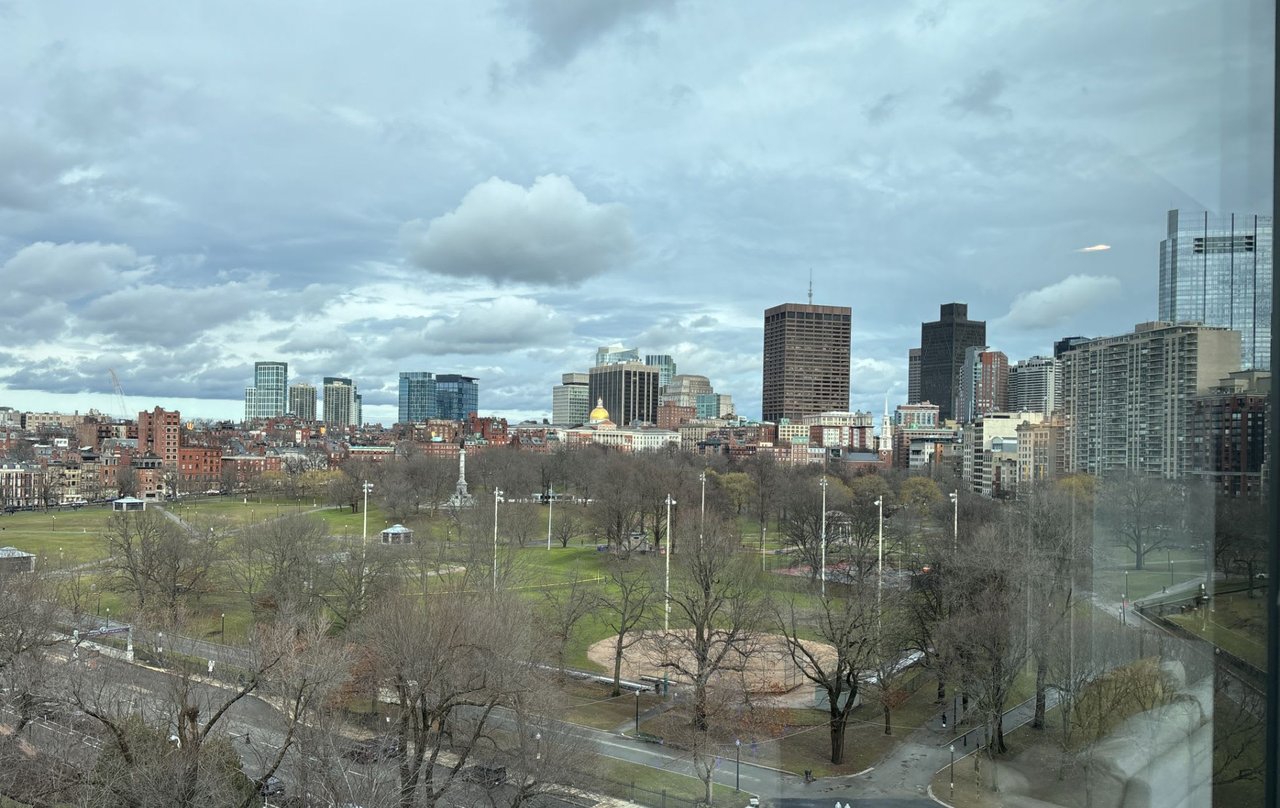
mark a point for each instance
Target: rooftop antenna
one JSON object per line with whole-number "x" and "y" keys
{"x": 811, "y": 286}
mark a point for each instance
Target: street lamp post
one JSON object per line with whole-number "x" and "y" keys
{"x": 223, "y": 632}
{"x": 1126, "y": 586}
{"x": 637, "y": 712}
{"x": 762, "y": 555}
{"x": 108, "y": 617}
{"x": 737, "y": 764}
{"x": 551, "y": 498}
{"x": 666, "y": 581}
{"x": 1169, "y": 556}
{"x": 955, "y": 520}
{"x": 702, "y": 518}
{"x": 880, "y": 554}
{"x": 953, "y": 770}
{"x": 497, "y": 497}
{"x": 537, "y": 739}
{"x": 822, "y": 569}
{"x": 364, "y": 535}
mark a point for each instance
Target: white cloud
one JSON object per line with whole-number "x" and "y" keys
{"x": 549, "y": 233}
{"x": 1094, "y": 248}
{"x": 1058, "y": 303}
{"x": 72, "y": 270}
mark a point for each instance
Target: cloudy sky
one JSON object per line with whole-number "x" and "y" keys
{"x": 496, "y": 188}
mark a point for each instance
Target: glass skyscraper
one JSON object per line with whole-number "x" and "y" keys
{"x": 456, "y": 396}
{"x": 268, "y": 397}
{"x": 1216, "y": 270}
{"x": 417, "y": 397}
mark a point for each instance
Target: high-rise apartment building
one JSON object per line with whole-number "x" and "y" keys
{"x": 160, "y": 432}
{"x": 341, "y": 402}
{"x": 1128, "y": 399}
{"x": 1216, "y": 270}
{"x": 302, "y": 401}
{"x": 683, "y": 389}
{"x": 942, "y": 346}
{"x": 666, "y": 368}
{"x": 1228, "y": 433}
{"x": 457, "y": 397}
{"x": 417, "y": 397}
{"x": 913, "y": 376}
{"x": 616, "y": 354}
{"x": 806, "y": 360}
{"x": 267, "y": 398}
{"x": 571, "y": 399}
{"x": 629, "y": 391}
{"x": 983, "y": 384}
{"x": 1035, "y": 385}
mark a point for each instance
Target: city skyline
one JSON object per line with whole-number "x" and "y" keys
{"x": 419, "y": 243}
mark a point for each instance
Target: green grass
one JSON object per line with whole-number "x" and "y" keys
{"x": 73, "y": 532}
{"x": 616, "y": 775}
{"x": 1237, "y": 624}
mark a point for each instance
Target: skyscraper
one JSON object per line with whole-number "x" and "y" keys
{"x": 629, "y": 391}
{"x": 267, "y": 397}
{"x": 666, "y": 368}
{"x": 1129, "y": 399}
{"x": 942, "y": 346}
{"x": 616, "y": 354}
{"x": 417, "y": 398}
{"x": 913, "y": 376}
{"x": 571, "y": 399}
{"x": 983, "y": 385}
{"x": 1216, "y": 270}
{"x": 341, "y": 403}
{"x": 457, "y": 397}
{"x": 302, "y": 401}
{"x": 1035, "y": 385}
{"x": 806, "y": 360}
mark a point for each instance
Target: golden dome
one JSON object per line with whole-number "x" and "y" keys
{"x": 599, "y": 413}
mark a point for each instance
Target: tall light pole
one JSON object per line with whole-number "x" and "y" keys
{"x": 702, "y": 518}
{"x": 497, "y": 497}
{"x": 364, "y": 536}
{"x": 955, "y": 520}
{"x": 666, "y": 583}
{"x": 879, "y": 553}
{"x": 822, "y": 569}
{"x": 551, "y": 498}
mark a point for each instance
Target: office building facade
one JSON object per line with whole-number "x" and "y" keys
{"x": 457, "y": 396}
{"x": 629, "y": 391}
{"x": 913, "y": 376}
{"x": 302, "y": 401}
{"x": 1216, "y": 270}
{"x": 571, "y": 399}
{"x": 806, "y": 360}
{"x": 942, "y": 348}
{"x": 416, "y": 399}
{"x": 1128, "y": 399}
{"x": 267, "y": 398}
{"x": 983, "y": 384}
{"x": 666, "y": 368}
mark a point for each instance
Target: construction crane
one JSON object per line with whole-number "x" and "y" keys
{"x": 119, "y": 391}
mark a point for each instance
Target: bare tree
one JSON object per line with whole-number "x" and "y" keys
{"x": 717, "y": 610}
{"x": 562, "y": 609}
{"x": 623, "y": 609}
{"x": 1136, "y": 508}
{"x": 158, "y": 561}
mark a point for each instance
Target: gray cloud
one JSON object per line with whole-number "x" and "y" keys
{"x": 499, "y": 326}
{"x": 980, "y": 94}
{"x": 561, "y": 29}
{"x": 1056, "y": 305}
{"x": 882, "y": 109}
{"x": 549, "y": 233}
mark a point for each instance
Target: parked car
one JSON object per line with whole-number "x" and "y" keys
{"x": 372, "y": 750}
{"x": 484, "y": 775}
{"x": 271, "y": 787}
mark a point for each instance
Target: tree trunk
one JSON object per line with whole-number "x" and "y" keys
{"x": 617, "y": 667}
{"x": 837, "y": 727}
{"x": 998, "y": 735}
{"x": 888, "y": 725}
{"x": 942, "y": 690}
{"x": 1140, "y": 555}
{"x": 1041, "y": 672}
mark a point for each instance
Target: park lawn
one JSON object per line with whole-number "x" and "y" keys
{"x": 591, "y": 705}
{"x": 1237, "y": 624}
{"x": 74, "y": 532}
{"x": 1110, "y": 583}
{"x": 623, "y": 780}
{"x": 806, "y": 740}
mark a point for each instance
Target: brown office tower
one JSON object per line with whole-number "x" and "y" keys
{"x": 806, "y": 360}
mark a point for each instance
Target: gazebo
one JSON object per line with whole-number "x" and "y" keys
{"x": 397, "y": 534}
{"x": 128, "y": 504}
